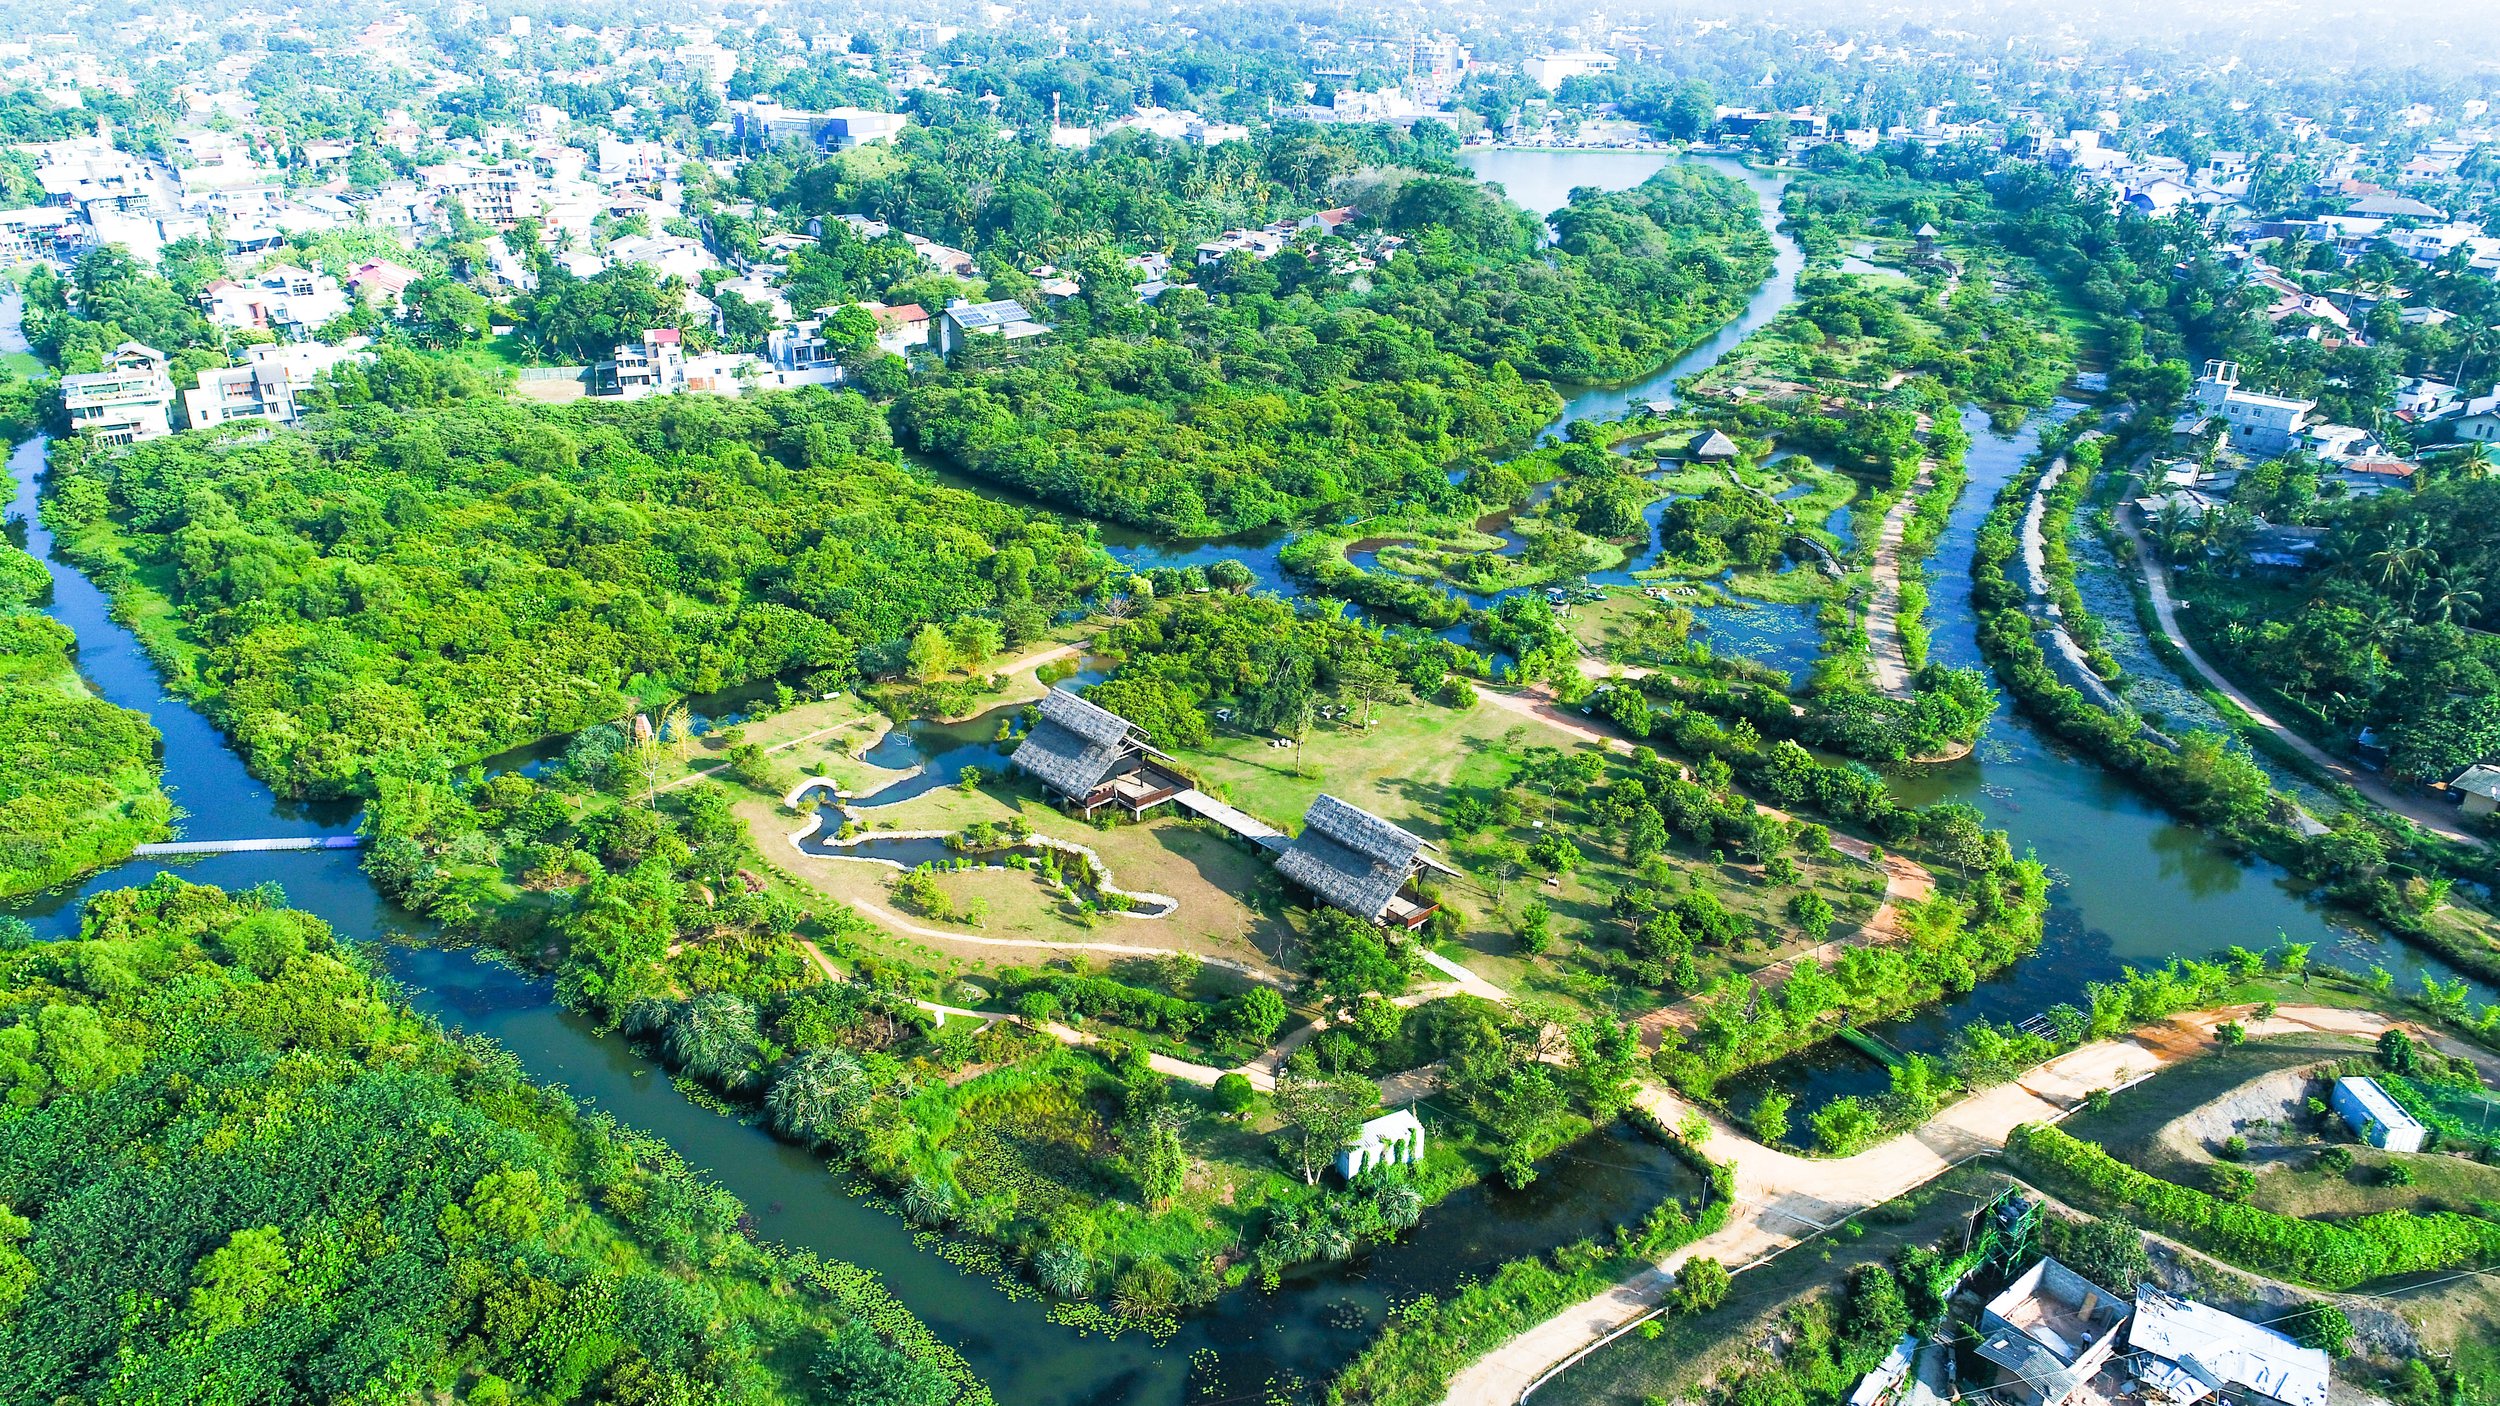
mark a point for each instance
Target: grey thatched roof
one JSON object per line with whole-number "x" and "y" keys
{"x": 1716, "y": 446}
{"x": 1075, "y": 744}
{"x": 1350, "y": 858}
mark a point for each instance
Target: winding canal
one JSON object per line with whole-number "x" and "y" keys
{"x": 2132, "y": 886}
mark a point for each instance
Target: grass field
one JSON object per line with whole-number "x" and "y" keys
{"x": 1421, "y": 757}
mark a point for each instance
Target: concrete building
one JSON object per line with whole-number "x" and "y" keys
{"x": 765, "y": 123}
{"x": 282, "y": 298}
{"x": 1548, "y": 71}
{"x": 2375, "y": 1118}
{"x": 2049, "y": 1333}
{"x": 267, "y": 386}
{"x": 1392, "y": 1139}
{"x": 131, "y": 399}
{"x": 2255, "y": 424}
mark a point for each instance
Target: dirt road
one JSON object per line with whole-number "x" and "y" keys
{"x": 1885, "y": 653}
{"x": 1783, "y": 1199}
{"x": 2420, "y": 810}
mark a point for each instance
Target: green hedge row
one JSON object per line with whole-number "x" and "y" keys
{"x": 2338, "y": 1254}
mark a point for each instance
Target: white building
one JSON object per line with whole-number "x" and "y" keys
{"x": 668, "y": 255}
{"x": 1392, "y": 1139}
{"x": 2255, "y": 423}
{"x": 2186, "y": 1352}
{"x": 130, "y": 399}
{"x": 290, "y": 301}
{"x": 2375, "y": 1118}
{"x": 267, "y": 386}
{"x": 1548, "y": 71}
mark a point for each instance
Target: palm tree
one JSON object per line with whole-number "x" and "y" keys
{"x": 2406, "y": 556}
{"x": 2452, "y": 597}
{"x": 2474, "y": 462}
{"x": 2171, "y": 528}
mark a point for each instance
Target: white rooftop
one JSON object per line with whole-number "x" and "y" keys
{"x": 2374, "y": 1100}
{"x": 2216, "y": 1349}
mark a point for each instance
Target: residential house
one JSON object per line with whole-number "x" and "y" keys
{"x": 2478, "y": 789}
{"x": 943, "y": 258}
{"x": 667, "y": 255}
{"x": 1005, "y": 319}
{"x": 2370, "y": 475}
{"x": 130, "y": 399}
{"x": 1391, "y": 1140}
{"x": 2420, "y": 398}
{"x": 2185, "y": 1352}
{"x": 1354, "y": 861}
{"x": 2375, "y": 1117}
{"x": 267, "y": 386}
{"x": 2049, "y": 1334}
{"x": 2478, "y": 420}
{"x": 760, "y": 288}
{"x": 2256, "y": 424}
{"x": 282, "y": 298}
{"x": 1090, "y": 757}
{"x": 39, "y": 231}
{"x": 653, "y": 365}
{"x": 900, "y": 326}
{"x": 1260, "y": 244}
{"x": 382, "y": 283}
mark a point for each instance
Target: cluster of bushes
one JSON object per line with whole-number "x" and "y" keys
{"x": 1947, "y": 944}
{"x": 2333, "y": 1255}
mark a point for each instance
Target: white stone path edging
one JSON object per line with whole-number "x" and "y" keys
{"x": 1167, "y": 905}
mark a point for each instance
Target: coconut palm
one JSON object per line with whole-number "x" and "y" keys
{"x": 2454, "y": 601}
{"x": 2408, "y": 556}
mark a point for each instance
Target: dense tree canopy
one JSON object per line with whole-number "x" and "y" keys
{"x": 235, "y": 1169}
{"x": 462, "y": 578}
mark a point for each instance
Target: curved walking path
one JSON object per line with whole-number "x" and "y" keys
{"x": 1784, "y": 1199}
{"x": 2419, "y": 810}
{"x": 1887, "y": 656}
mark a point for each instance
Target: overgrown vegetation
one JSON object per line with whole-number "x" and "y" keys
{"x": 234, "y": 1166}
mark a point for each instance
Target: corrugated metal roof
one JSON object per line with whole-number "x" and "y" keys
{"x": 2217, "y": 1347}
{"x": 2377, "y": 1102}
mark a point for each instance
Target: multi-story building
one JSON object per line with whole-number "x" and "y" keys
{"x": 267, "y": 386}
{"x": 129, "y": 400}
{"x": 284, "y": 299}
{"x": 2253, "y": 423}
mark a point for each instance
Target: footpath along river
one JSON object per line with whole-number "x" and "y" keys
{"x": 2133, "y": 887}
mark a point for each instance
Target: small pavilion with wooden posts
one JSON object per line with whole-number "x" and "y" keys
{"x": 1090, "y": 757}
{"x": 1352, "y": 860}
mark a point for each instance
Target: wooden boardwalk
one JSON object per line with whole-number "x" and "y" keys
{"x": 1240, "y": 822}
